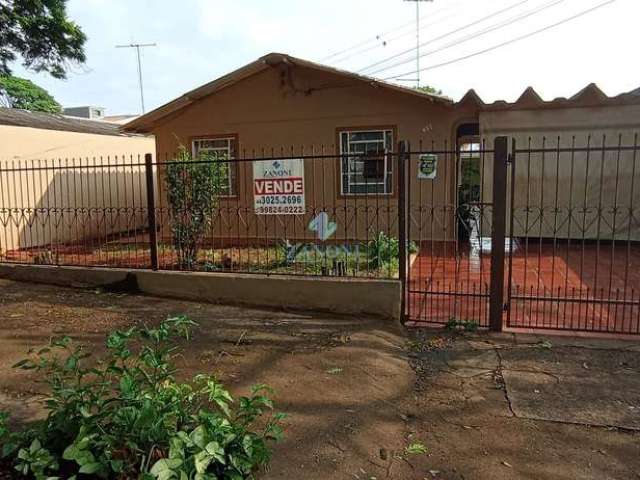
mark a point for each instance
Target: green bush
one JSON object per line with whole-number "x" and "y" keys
{"x": 194, "y": 187}
{"x": 126, "y": 416}
{"x": 384, "y": 252}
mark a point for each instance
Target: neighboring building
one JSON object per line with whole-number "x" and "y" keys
{"x": 28, "y": 135}
{"x": 92, "y": 113}
{"x": 120, "y": 119}
{"x": 49, "y": 168}
{"x": 594, "y": 180}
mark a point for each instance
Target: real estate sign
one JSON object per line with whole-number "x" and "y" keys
{"x": 278, "y": 187}
{"x": 427, "y": 166}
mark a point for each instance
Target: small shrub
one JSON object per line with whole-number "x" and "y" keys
{"x": 455, "y": 325}
{"x": 415, "y": 448}
{"x": 193, "y": 191}
{"x": 126, "y": 416}
{"x": 384, "y": 251}
{"x": 287, "y": 252}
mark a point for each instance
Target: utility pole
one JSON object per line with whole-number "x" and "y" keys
{"x": 138, "y": 46}
{"x": 418, "y": 38}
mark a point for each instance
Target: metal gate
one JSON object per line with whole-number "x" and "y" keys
{"x": 552, "y": 242}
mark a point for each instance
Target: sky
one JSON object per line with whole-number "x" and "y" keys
{"x": 205, "y": 39}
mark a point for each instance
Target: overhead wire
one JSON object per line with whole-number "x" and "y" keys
{"x": 508, "y": 42}
{"x": 381, "y": 40}
{"x": 489, "y": 29}
{"x": 446, "y": 34}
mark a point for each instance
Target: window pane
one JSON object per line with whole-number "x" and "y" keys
{"x": 222, "y": 149}
{"x": 213, "y": 143}
{"x": 365, "y": 136}
{"x": 368, "y": 170}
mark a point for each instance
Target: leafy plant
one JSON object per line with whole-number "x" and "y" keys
{"x": 415, "y": 448}
{"x": 193, "y": 190}
{"x": 384, "y": 251}
{"x": 126, "y": 416}
{"x": 545, "y": 345}
{"x": 455, "y": 325}
{"x": 287, "y": 251}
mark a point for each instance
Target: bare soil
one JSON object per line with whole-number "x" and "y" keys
{"x": 359, "y": 391}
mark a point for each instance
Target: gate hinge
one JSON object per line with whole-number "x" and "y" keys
{"x": 505, "y": 307}
{"x": 510, "y": 158}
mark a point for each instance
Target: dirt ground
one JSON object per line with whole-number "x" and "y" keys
{"x": 359, "y": 391}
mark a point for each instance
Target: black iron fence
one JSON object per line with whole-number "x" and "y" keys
{"x": 575, "y": 234}
{"x": 547, "y": 239}
{"x": 525, "y": 233}
{"x": 299, "y": 211}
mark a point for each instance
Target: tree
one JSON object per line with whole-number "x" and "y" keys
{"x": 22, "y": 93}
{"x": 41, "y": 34}
{"x": 430, "y": 90}
{"x": 193, "y": 190}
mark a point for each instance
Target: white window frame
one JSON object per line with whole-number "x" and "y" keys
{"x": 387, "y": 186}
{"x": 228, "y": 151}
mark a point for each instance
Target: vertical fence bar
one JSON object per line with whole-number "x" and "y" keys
{"x": 512, "y": 194}
{"x": 403, "y": 155}
{"x": 151, "y": 210}
{"x": 496, "y": 300}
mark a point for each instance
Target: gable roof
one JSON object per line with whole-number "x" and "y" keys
{"x": 52, "y": 121}
{"x": 145, "y": 122}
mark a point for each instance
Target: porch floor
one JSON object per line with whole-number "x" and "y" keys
{"x": 561, "y": 285}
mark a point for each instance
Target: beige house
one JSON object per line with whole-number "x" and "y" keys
{"x": 56, "y": 172}
{"x": 281, "y": 106}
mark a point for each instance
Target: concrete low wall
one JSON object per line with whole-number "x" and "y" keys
{"x": 380, "y": 298}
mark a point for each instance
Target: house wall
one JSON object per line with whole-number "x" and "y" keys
{"x": 53, "y": 190}
{"x": 571, "y": 185}
{"x": 272, "y": 114}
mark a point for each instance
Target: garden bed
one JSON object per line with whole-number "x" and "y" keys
{"x": 354, "y": 259}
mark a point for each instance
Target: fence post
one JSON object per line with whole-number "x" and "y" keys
{"x": 404, "y": 149}
{"x": 498, "y": 229}
{"x": 151, "y": 210}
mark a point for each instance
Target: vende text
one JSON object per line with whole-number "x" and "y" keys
{"x": 271, "y": 186}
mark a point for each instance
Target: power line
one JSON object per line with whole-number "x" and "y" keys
{"x": 381, "y": 37}
{"x": 474, "y": 35}
{"x": 508, "y": 42}
{"x": 440, "y": 37}
{"x": 389, "y": 40}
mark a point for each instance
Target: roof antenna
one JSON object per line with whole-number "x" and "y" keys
{"x": 138, "y": 46}
{"x": 417, "y": 79}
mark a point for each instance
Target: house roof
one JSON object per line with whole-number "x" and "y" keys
{"x": 145, "y": 122}
{"x": 590, "y": 96}
{"x": 51, "y": 121}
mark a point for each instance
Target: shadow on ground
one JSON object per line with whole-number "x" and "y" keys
{"x": 358, "y": 391}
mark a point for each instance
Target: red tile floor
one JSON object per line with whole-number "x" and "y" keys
{"x": 563, "y": 286}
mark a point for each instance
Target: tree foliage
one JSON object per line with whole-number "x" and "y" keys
{"x": 193, "y": 189}
{"x": 39, "y": 32}
{"x": 430, "y": 90}
{"x": 23, "y": 93}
